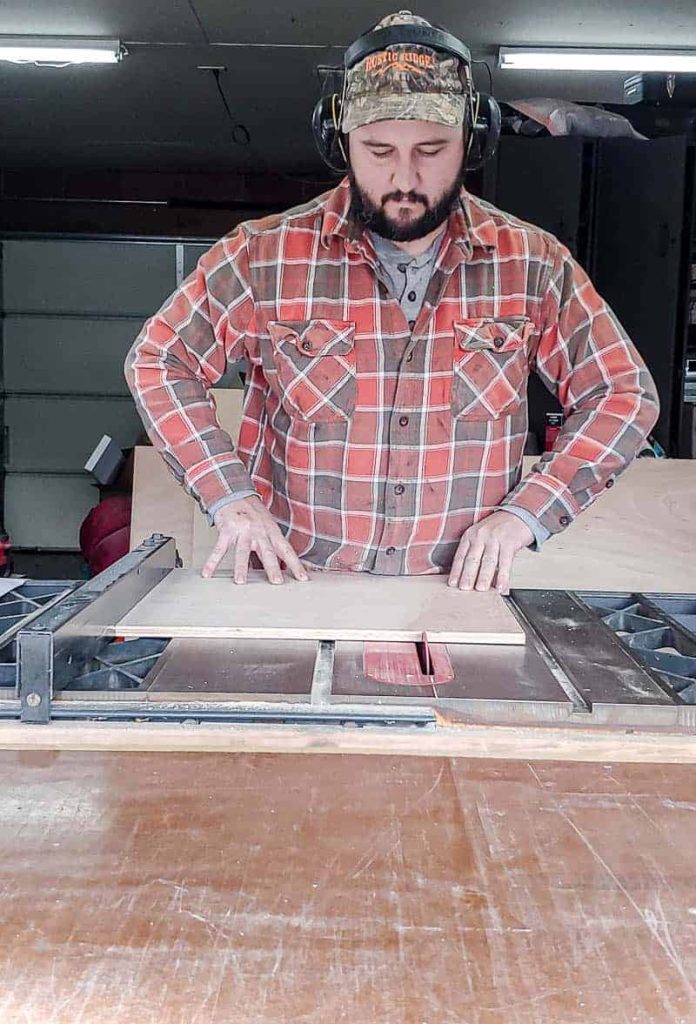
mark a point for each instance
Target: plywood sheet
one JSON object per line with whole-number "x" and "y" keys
{"x": 203, "y": 540}
{"x": 640, "y": 535}
{"x": 160, "y": 504}
{"x": 262, "y": 889}
{"x": 332, "y": 606}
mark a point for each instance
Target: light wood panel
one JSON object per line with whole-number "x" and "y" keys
{"x": 160, "y": 504}
{"x": 257, "y": 889}
{"x": 332, "y": 606}
{"x": 203, "y": 539}
{"x": 454, "y": 737}
{"x": 639, "y": 535}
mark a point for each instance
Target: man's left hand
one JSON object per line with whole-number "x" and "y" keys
{"x": 486, "y": 552}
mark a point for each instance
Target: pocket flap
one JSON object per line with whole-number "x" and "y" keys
{"x": 314, "y": 337}
{"x": 493, "y": 335}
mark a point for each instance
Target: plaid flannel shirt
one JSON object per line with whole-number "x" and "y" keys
{"x": 375, "y": 444}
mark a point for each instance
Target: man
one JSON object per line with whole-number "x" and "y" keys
{"x": 389, "y": 327}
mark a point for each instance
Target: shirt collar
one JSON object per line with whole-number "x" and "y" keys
{"x": 470, "y": 226}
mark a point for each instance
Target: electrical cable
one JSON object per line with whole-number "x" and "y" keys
{"x": 201, "y": 26}
{"x": 490, "y": 73}
{"x": 240, "y": 133}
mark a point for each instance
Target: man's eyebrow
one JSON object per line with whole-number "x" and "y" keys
{"x": 423, "y": 142}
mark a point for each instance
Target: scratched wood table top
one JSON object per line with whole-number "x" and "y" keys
{"x": 279, "y": 889}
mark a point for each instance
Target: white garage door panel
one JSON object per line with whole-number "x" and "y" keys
{"x": 192, "y": 254}
{"x": 48, "y": 354}
{"x": 118, "y": 278}
{"x": 58, "y": 434}
{"x": 46, "y": 511}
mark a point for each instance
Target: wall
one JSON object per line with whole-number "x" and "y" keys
{"x": 71, "y": 311}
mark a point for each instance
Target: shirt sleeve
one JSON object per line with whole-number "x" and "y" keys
{"x": 609, "y": 398}
{"x": 229, "y": 500}
{"x": 179, "y": 354}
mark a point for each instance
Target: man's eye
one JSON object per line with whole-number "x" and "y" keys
{"x": 380, "y": 152}
{"x": 431, "y": 152}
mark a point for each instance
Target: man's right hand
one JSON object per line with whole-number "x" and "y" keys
{"x": 247, "y": 525}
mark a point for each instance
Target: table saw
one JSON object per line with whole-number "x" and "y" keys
{"x": 590, "y": 659}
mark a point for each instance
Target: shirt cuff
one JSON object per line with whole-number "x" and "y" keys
{"x": 538, "y": 529}
{"x": 227, "y": 500}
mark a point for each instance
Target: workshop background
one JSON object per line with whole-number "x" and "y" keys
{"x": 114, "y": 179}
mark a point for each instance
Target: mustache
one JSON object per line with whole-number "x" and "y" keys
{"x": 411, "y": 197}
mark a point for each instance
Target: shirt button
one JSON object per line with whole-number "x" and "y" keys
{"x": 307, "y": 346}
{"x": 403, "y": 421}
{"x": 403, "y": 267}
{"x": 390, "y": 551}
{"x": 499, "y": 342}
{"x": 610, "y": 482}
{"x": 411, "y": 296}
{"x": 409, "y": 357}
{"x": 399, "y": 489}
{"x": 564, "y": 520}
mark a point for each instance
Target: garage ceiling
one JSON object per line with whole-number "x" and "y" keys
{"x": 156, "y": 111}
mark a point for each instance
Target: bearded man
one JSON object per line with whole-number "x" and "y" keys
{"x": 389, "y": 327}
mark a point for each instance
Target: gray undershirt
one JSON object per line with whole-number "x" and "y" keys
{"x": 407, "y": 276}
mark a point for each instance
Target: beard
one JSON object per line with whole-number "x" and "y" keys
{"x": 368, "y": 214}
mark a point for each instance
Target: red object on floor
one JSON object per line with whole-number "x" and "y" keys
{"x": 5, "y": 560}
{"x": 105, "y": 532}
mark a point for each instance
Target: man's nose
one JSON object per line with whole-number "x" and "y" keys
{"x": 404, "y": 175}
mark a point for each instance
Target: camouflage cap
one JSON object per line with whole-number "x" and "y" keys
{"x": 404, "y": 82}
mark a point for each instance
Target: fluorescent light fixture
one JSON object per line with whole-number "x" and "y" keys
{"x": 546, "y": 58}
{"x": 59, "y": 50}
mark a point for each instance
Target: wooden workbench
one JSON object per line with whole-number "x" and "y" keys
{"x": 182, "y": 888}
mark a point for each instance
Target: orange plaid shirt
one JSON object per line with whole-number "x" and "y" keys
{"x": 375, "y": 444}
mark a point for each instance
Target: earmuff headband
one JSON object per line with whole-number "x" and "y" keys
{"x": 414, "y": 35}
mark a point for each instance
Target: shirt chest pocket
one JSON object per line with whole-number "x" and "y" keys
{"x": 314, "y": 361}
{"x": 490, "y": 367}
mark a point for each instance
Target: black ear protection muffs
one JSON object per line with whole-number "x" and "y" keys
{"x": 482, "y": 121}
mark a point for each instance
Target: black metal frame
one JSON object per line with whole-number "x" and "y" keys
{"x": 614, "y": 682}
{"x": 57, "y": 645}
{"x": 647, "y": 623}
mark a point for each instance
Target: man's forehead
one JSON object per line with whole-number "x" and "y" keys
{"x": 405, "y": 131}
